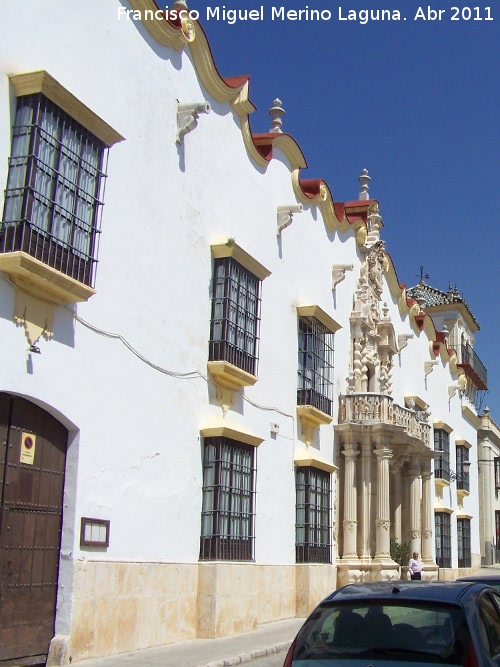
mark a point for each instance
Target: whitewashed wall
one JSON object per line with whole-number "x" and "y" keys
{"x": 139, "y": 454}
{"x": 135, "y": 449}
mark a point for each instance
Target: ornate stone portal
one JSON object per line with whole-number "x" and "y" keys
{"x": 384, "y": 449}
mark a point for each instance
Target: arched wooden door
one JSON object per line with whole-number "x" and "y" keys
{"x": 32, "y": 464}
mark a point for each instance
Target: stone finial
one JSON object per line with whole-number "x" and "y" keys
{"x": 276, "y": 112}
{"x": 364, "y": 179}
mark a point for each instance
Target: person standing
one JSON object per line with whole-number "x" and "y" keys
{"x": 415, "y": 566}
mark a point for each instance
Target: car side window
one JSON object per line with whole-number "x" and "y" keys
{"x": 489, "y": 617}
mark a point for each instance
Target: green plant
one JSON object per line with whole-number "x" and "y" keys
{"x": 230, "y": 241}
{"x": 400, "y": 553}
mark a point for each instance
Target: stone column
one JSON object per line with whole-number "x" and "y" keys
{"x": 350, "y": 453}
{"x": 383, "y": 516}
{"x": 487, "y": 526}
{"x": 398, "y": 500}
{"x": 364, "y": 523}
{"x": 427, "y": 514}
{"x": 415, "y": 519}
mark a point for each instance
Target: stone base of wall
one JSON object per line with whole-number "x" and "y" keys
{"x": 121, "y": 607}
{"x": 356, "y": 571}
{"x": 450, "y": 573}
{"x": 313, "y": 583}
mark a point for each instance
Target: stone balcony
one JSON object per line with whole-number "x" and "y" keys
{"x": 370, "y": 408}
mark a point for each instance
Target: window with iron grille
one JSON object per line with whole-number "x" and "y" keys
{"x": 54, "y": 189}
{"x": 496, "y": 463}
{"x": 442, "y": 463}
{"x": 464, "y": 550}
{"x": 313, "y": 516}
{"x": 497, "y": 532}
{"x": 234, "y": 328}
{"x": 462, "y": 468}
{"x": 443, "y": 539}
{"x": 227, "y": 517}
{"x": 315, "y": 367}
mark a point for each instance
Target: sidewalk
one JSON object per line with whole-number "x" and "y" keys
{"x": 267, "y": 639}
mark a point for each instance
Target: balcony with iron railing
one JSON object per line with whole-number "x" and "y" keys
{"x": 473, "y": 367}
{"x": 371, "y": 408}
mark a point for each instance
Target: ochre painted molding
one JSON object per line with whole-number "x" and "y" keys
{"x": 42, "y": 281}
{"x": 219, "y": 428}
{"x": 462, "y": 443}
{"x": 443, "y": 425}
{"x": 287, "y": 144}
{"x": 164, "y": 32}
{"x": 242, "y": 257}
{"x": 319, "y": 314}
{"x": 229, "y": 376}
{"x": 471, "y": 416}
{"x": 312, "y": 415}
{"x": 311, "y": 458}
{"x": 443, "y": 508}
{"x": 42, "y": 82}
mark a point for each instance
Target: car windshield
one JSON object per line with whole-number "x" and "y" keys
{"x": 416, "y": 632}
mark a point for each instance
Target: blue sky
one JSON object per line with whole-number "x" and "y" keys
{"x": 417, "y": 103}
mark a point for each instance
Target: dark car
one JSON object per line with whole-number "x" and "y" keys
{"x": 390, "y": 623}
{"x": 489, "y": 579}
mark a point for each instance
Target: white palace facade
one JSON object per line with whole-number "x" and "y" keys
{"x": 217, "y": 401}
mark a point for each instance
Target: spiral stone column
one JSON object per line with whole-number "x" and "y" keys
{"x": 358, "y": 355}
{"x": 350, "y": 453}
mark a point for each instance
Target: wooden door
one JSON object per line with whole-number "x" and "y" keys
{"x": 32, "y": 464}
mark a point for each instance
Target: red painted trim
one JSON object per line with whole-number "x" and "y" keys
{"x": 264, "y": 144}
{"x": 236, "y": 81}
{"x": 419, "y": 319}
{"x": 311, "y": 186}
{"x": 471, "y": 373}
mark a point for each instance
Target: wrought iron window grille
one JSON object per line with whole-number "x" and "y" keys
{"x": 235, "y": 320}
{"x": 55, "y": 188}
{"x": 315, "y": 365}
{"x": 228, "y": 509}
{"x": 313, "y": 516}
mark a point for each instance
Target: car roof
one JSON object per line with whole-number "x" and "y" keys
{"x": 480, "y": 577}
{"x": 439, "y": 591}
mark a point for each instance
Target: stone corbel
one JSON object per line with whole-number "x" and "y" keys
{"x": 310, "y": 418}
{"x": 338, "y": 273}
{"x": 429, "y": 367}
{"x": 403, "y": 341}
{"x": 187, "y": 117}
{"x": 285, "y": 216}
{"x": 452, "y": 390}
{"x": 228, "y": 379}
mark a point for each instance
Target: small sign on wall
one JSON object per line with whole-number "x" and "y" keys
{"x": 94, "y": 532}
{"x": 28, "y": 442}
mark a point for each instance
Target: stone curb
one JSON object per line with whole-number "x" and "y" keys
{"x": 248, "y": 657}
